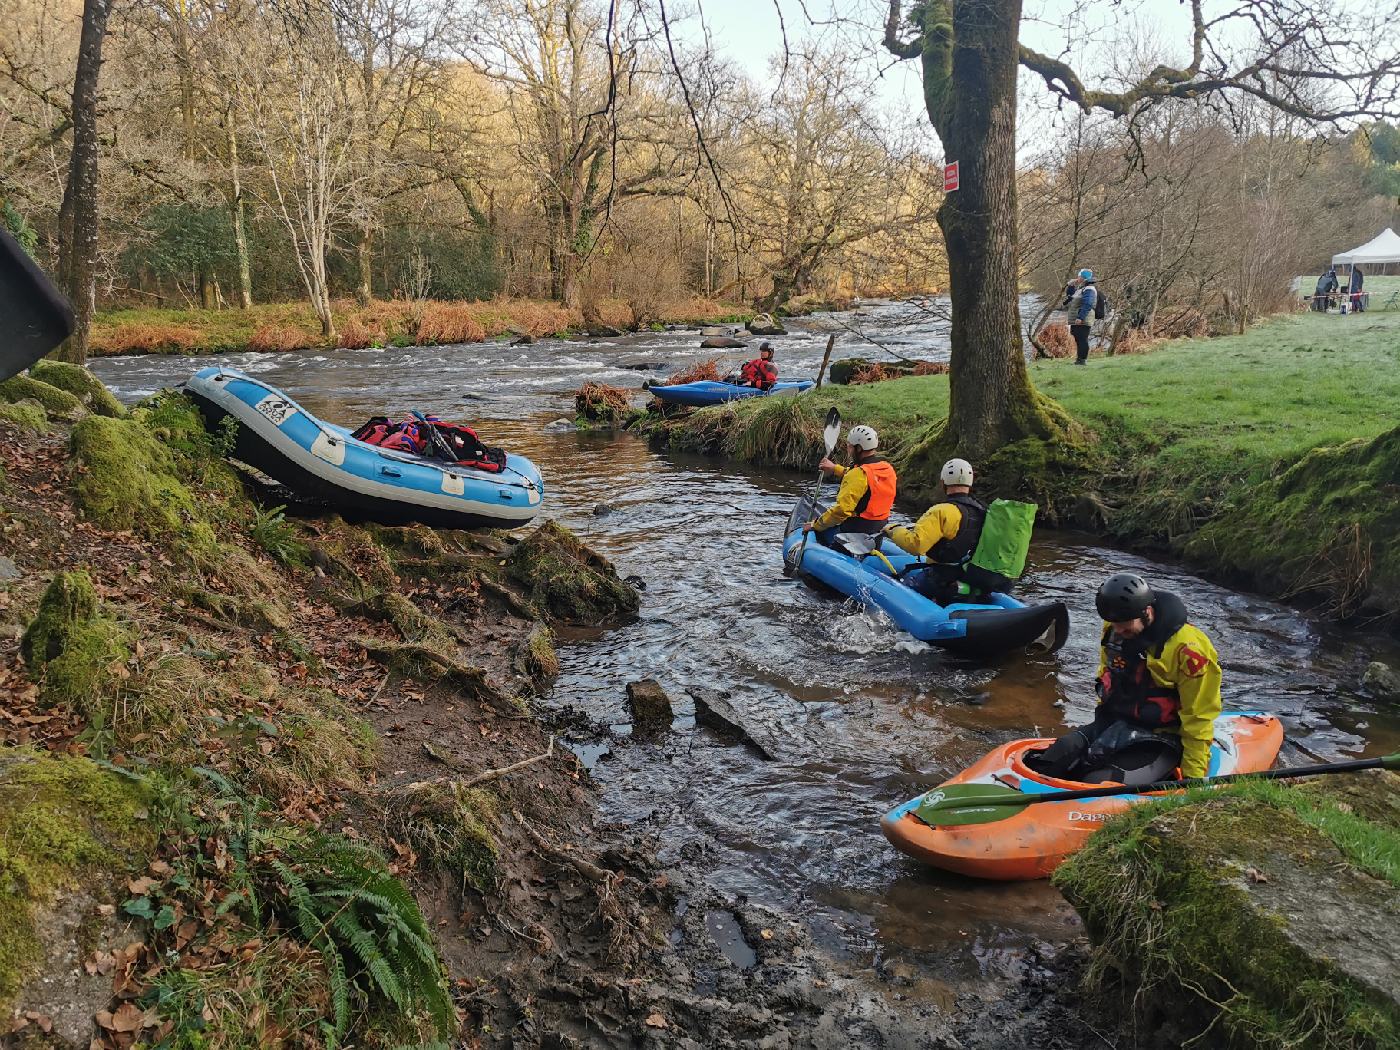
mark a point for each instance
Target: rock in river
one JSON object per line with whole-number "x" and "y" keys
{"x": 721, "y": 342}
{"x": 715, "y": 712}
{"x": 1382, "y": 681}
{"x": 651, "y": 707}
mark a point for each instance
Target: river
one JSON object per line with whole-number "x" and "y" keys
{"x": 864, "y": 716}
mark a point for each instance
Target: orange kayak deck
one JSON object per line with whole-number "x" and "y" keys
{"x": 1032, "y": 843}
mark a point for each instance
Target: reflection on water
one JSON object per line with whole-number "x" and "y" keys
{"x": 864, "y": 717}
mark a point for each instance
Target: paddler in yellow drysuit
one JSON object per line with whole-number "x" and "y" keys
{"x": 1159, "y": 693}
{"x": 866, "y": 496}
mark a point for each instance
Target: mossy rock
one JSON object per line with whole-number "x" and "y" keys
{"x": 1265, "y": 915}
{"x": 59, "y": 404}
{"x": 129, "y": 481}
{"x": 70, "y": 647}
{"x": 65, "y": 824}
{"x": 28, "y": 414}
{"x": 81, "y": 383}
{"x": 575, "y": 584}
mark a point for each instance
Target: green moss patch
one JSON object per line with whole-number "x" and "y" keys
{"x": 81, "y": 383}
{"x": 63, "y": 821}
{"x": 71, "y": 647}
{"x": 1263, "y": 913}
{"x": 28, "y": 414}
{"x": 59, "y": 404}
{"x": 577, "y": 585}
{"x": 450, "y": 828}
{"x": 1326, "y": 524}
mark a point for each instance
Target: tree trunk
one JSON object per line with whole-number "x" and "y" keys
{"x": 970, "y": 57}
{"x": 78, "y": 218}
{"x": 240, "y": 236}
{"x": 207, "y": 298}
{"x": 364, "y": 290}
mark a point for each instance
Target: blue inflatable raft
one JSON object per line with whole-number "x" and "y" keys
{"x": 995, "y": 624}
{"x": 322, "y": 461}
{"x": 712, "y": 392}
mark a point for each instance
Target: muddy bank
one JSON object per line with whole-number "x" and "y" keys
{"x": 250, "y": 757}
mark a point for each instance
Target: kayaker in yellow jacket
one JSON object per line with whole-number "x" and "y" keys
{"x": 1159, "y": 693}
{"x": 946, "y": 535}
{"x": 866, "y": 496}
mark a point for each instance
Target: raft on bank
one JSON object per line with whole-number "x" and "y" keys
{"x": 994, "y": 625}
{"x": 1033, "y": 842}
{"x": 322, "y": 461}
{"x": 714, "y": 392}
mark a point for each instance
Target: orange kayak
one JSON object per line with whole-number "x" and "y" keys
{"x": 1032, "y": 843}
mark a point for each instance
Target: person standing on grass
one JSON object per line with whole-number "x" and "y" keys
{"x": 1358, "y": 303}
{"x": 1079, "y": 311}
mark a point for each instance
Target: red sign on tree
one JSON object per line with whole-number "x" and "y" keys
{"x": 950, "y": 176}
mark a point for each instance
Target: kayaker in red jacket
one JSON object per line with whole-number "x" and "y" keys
{"x": 760, "y": 372}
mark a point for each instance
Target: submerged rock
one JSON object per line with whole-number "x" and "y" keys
{"x": 766, "y": 324}
{"x": 1382, "y": 681}
{"x": 575, "y": 584}
{"x": 715, "y": 712}
{"x": 650, "y": 706}
{"x": 1265, "y": 914}
{"x": 721, "y": 342}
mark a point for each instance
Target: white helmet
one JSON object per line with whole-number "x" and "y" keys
{"x": 863, "y": 437}
{"x": 956, "y": 472}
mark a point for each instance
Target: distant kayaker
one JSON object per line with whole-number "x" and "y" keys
{"x": 866, "y": 496}
{"x": 946, "y": 535}
{"x": 761, "y": 372}
{"x": 1159, "y": 693}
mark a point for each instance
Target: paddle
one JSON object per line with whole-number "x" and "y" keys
{"x": 830, "y": 432}
{"x": 438, "y": 440}
{"x": 955, "y": 805}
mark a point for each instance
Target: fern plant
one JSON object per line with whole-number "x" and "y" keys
{"x": 274, "y": 534}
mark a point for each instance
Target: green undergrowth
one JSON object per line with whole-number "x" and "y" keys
{"x": 65, "y": 824}
{"x": 1192, "y": 447}
{"x": 1201, "y": 909}
{"x": 451, "y": 830}
{"x": 575, "y": 584}
{"x": 76, "y": 650}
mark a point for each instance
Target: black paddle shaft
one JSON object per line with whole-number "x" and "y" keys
{"x": 1019, "y": 799}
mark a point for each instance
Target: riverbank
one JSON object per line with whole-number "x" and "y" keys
{"x": 251, "y": 758}
{"x": 1269, "y": 459}
{"x": 277, "y": 327}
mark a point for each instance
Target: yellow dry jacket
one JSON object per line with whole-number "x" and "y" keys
{"x": 1188, "y": 665}
{"x": 855, "y": 486}
{"x": 940, "y": 522}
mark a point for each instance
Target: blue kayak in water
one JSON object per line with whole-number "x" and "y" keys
{"x": 712, "y": 392}
{"x": 987, "y": 625}
{"x": 322, "y": 461}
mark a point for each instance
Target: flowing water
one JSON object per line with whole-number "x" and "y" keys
{"x": 860, "y": 716}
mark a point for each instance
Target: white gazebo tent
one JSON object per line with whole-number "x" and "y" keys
{"x": 1379, "y": 250}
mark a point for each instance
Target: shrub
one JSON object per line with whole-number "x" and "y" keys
{"x": 355, "y": 335}
{"x": 449, "y": 323}
{"x": 277, "y": 338}
{"x": 147, "y": 339}
{"x": 271, "y": 532}
{"x": 1056, "y": 341}
{"x": 695, "y": 373}
{"x": 598, "y": 402}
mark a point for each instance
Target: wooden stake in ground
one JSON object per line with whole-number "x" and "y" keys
{"x": 830, "y": 342}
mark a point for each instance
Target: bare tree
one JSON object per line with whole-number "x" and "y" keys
{"x": 1272, "y": 50}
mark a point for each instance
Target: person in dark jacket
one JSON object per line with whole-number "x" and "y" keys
{"x": 1358, "y": 279}
{"x": 1327, "y": 284}
{"x": 946, "y": 536}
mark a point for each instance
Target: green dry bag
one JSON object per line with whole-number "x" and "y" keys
{"x": 1006, "y": 538}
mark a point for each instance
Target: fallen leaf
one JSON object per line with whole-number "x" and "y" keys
{"x": 655, "y": 1020}
{"x": 142, "y": 886}
{"x": 126, "y": 1018}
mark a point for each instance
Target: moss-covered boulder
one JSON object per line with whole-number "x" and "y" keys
{"x": 71, "y": 647}
{"x": 128, "y": 480}
{"x": 575, "y": 584}
{"x": 81, "y": 383}
{"x": 1265, "y": 914}
{"x": 59, "y": 404}
{"x": 28, "y": 414}
{"x": 68, "y": 831}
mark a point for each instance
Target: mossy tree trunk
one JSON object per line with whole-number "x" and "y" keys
{"x": 969, "y": 51}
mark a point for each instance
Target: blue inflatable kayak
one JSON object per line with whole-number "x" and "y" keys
{"x": 322, "y": 461}
{"x": 995, "y": 623}
{"x": 711, "y": 392}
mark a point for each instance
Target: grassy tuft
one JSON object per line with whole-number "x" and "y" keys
{"x": 575, "y": 584}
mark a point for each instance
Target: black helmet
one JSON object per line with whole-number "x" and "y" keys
{"x": 765, "y": 345}
{"x": 1124, "y": 596}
